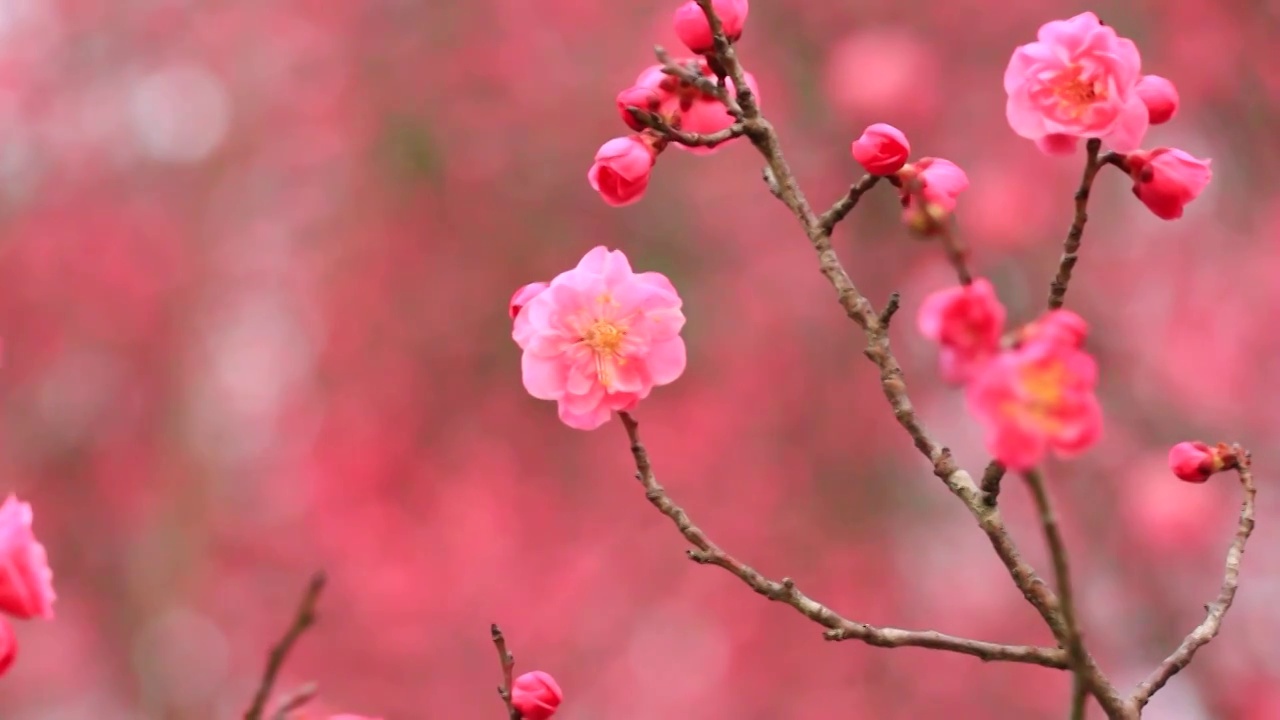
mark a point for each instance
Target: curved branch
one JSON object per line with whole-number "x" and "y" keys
{"x": 786, "y": 592}
{"x": 1217, "y": 610}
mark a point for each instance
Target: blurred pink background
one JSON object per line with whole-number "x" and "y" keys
{"x": 254, "y": 265}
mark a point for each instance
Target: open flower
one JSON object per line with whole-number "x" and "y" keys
{"x": 1037, "y": 396}
{"x": 1078, "y": 79}
{"x": 600, "y": 337}
{"x": 966, "y": 322}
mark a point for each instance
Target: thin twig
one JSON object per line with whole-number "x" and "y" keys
{"x": 508, "y": 662}
{"x": 652, "y": 120}
{"x": 692, "y": 74}
{"x": 844, "y": 205}
{"x": 295, "y": 700}
{"x": 991, "y": 478}
{"x": 1062, "y": 574}
{"x": 890, "y": 309}
{"x": 785, "y": 591}
{"x": 1217, "y": 610}
{"x": 304, "y": 618}
{"x": 1071, "y": 248}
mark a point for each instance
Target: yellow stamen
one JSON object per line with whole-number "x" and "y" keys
{"x": 605, "y": 340}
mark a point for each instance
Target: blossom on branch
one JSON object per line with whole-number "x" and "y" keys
{"x": 1036, "y": 396}
{"x": 621, "y": 169}
{"x": 691, "y": 26}
{"x": 882, "y": 149}
{"x": 536, "y": 695}
{"x": 1166, "y": 179}
{"x": 600, "y": 338}
{"x": 967, "y": 321}
{"x": 1078, "y": 79}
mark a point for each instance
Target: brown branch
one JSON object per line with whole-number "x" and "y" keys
{"x": 845, "y": 205}
{"x": 859, "y": 309}
{"x": 786, "y": 592}
{"x": 508, "y": 662}
{"x": 692, "y": 74}
{"x": 1217, "y": 610}
{"x": 304, "y": 618}
{"x": 656, "y": 123}
{"x": 1071, "y": 248}
{"x": 890, "y": 309}
{"x": 991, "y": 478}
{"x": 1062, "y": 574}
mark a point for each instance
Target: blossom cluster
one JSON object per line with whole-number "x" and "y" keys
{"x": 1031, "y": 393}
{"x": 1081, "y": 80}
{"x": 623, "y": 165}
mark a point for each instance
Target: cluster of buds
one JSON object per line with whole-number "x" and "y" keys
{"x": 685, "y": 97}
{"x": 928, "y": 187}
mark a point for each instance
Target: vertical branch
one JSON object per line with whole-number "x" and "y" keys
{"x": 1071, "y": 248}
{"x": 1074, "y": 644}
{"x": 304, "y": 618}
{"x": 508, "y": 662}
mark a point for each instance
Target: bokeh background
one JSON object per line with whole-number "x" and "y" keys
{"x": 254, "y": 265}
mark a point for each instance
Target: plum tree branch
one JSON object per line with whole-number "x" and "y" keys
{"x": 508, "y": 664}
{"x": 1217, "y": 610}
{"x": 786, "y": 592}
{"x": 1071, "y": 247}
{"x": 303, "y": 619}
{"x": 1066, "y": 596}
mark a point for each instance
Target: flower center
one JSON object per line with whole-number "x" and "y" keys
{"x": 1075, "y": 93}
{"x": 604, "y": 337}
{"x": 1042, "y": 395}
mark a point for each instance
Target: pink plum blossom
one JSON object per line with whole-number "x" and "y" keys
{"x": 882, "y": 149}
{"x": 26, "y": 582}
{"x": 941, "y": 183}
{"x": 8, "y": 646}
{"x": 523, "y": 296}
{"x": 638, "y": 97}
{"x": 691, "y": 26}
{"x": 967, "y": 322}
{"x": 621, "y": 170}
{"x": 600, "y": 337}
{"x": 1166, "y": 179}
{"x": 1160, "y": 96}
{"x": 1195, "y": 462}
{"x": 685, "y": 106}
{"x": 536, "y": 695}
{"x": 1077, "y": 79}
{"x": 1037, "y": 396}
